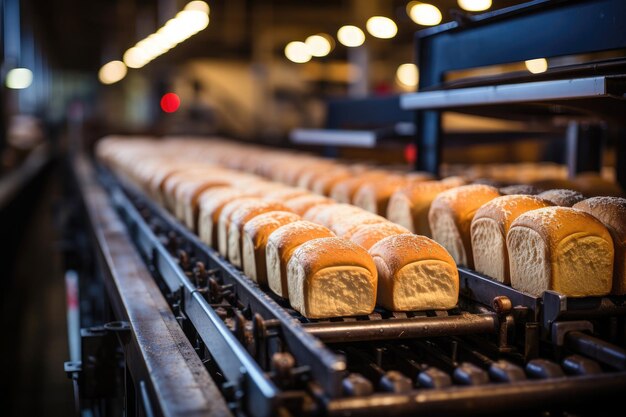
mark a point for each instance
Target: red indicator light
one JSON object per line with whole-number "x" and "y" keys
{"x": 410, "y": 153}
{"x": 170, "y": 102}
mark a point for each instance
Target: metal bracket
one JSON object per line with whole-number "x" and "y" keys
{"x": 561, "y": 328}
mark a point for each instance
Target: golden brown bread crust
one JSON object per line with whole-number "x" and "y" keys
{"x": 332, "y": 251}
{"x": 574, "y": 248}
{"x": 504, "y": 210}
{"x": 224, "y": 220}
{"x": 489, "y": 228}
{"x": 345, "y": 225}
{"x": 611, "y": 211}
{"x": 322, "y": 184}
{"x": 374, "y": 196}
{"x": 286, "y": 194}
{"x": 257, "y": 231}
{"x": 343, "y": 191}
{"x": 435, "y": 287}
{"x": 281, "y": 244}
{"x": 368, "y": 235}
{"x": 459, "y": 205}
{"x": 561, "y": 197}
{"x": 417, "y": 198}
{"x": 187, "y": 196}
{"x": 303, "y": 203}
{"x": 327, "y": 214}
{"x": 522, "y": 189}
{"x": 331, "y": 277}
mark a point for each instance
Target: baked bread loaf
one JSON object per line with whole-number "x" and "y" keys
{"x": 409, "y": 205}
{"x": 286, "y": 194}
{"x": 281, "y": 244}
{"x": 324, "y": 183}
{"x": 368, "y": 235}
{"x": 346, "y": 225}
{"x": 489, "y": 229}
{"x": 256, "y": 233}
{"x": 374, "y": 196}
{"x": 239, "y": 219}
{"x": 611, "y": 211}
{"x": 329, "y": 214}
{"x": 560, "y": 197}
{"x": 223, "y": 223}
{"x": 211, "y": 203}
{"x": 302, "y": 204}
{"x": 187, "y": 195}
{"x": 331, "y": 277}
{"x": 450, "y": 217}
{"x": 343, "y": 191}
{"x": 415, "y": 273}
{"x": 560, "y": 249}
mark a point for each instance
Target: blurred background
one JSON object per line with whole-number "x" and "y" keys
{"x": 252, "y": 70}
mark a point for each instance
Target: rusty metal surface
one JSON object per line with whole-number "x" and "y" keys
{"x": 174, "y": 376}
{"x": 415, "y": 327}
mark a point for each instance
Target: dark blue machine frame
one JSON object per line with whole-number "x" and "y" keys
{"x": 537, "y": 29}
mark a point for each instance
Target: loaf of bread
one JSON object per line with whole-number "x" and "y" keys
{"x": 374, "y": 196}
{"x": 415, "y": 273}
{"x": 302, "y": 204}
{"x": 450, "y": 218}
{"x": 187, "y": 196}
{"x": 346, "y": 225}
{"x": 256, "y": 233}
{"x": 211, "y": 203}
{"x": 281, "y": 244}
{"x": 328, "y": 214}
{"x": 368, "y": 235}
{"x": 489, "y": 229}
{"x": 343, "y": 191}
{"x": 171, "y": 184}
{"x": 286, "y": 194}
{"x": 560, "y": 197}
{"x": 238, "y": 220}
{"x": 323, "y": 184}
{"x": 331, "y": 277}
{"x": 611, "y": 211}
{"x": 223, "y": 223}
{"x": 409, "y": 205}
{"x": 560, "y": 249}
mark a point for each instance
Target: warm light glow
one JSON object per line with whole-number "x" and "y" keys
{"x": 198, "y": 6}
{"x": 407, "y": 75}
{"x": 474, "y": 5}
{"x": 319, "y": 45}
{"x": 112, "y": 72}
{"x": 192, "y": 21}
{"x": 381, "y": 27}
{"x": 537, "y": 66}
{"x": 350, "y": 36}
{"x": 170, "y": 102}
{"x": 424, "y": 14}
{"x": 297, "y": 52}
{"x": 19, "y": 78}
{"x": 136, "y": 58}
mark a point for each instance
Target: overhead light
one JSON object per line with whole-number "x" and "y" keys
{"x": 381, "y": 27}
{"x": 424, "y": 14}
{"x": 537, "y": 66}
{"x": 192, "y": 19}
{"x": 350, "y": 36}
{"x": 19, "y": 78}
{"x": 197, "y": 6}
{"x": 319, "y": 45}
{"x": 136, "y": 57}
{"x": 112, "y": 72}
{"x": 474, "y": 5}
{"x": 407, "y": 75}
{"x": 297, "y": 52}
